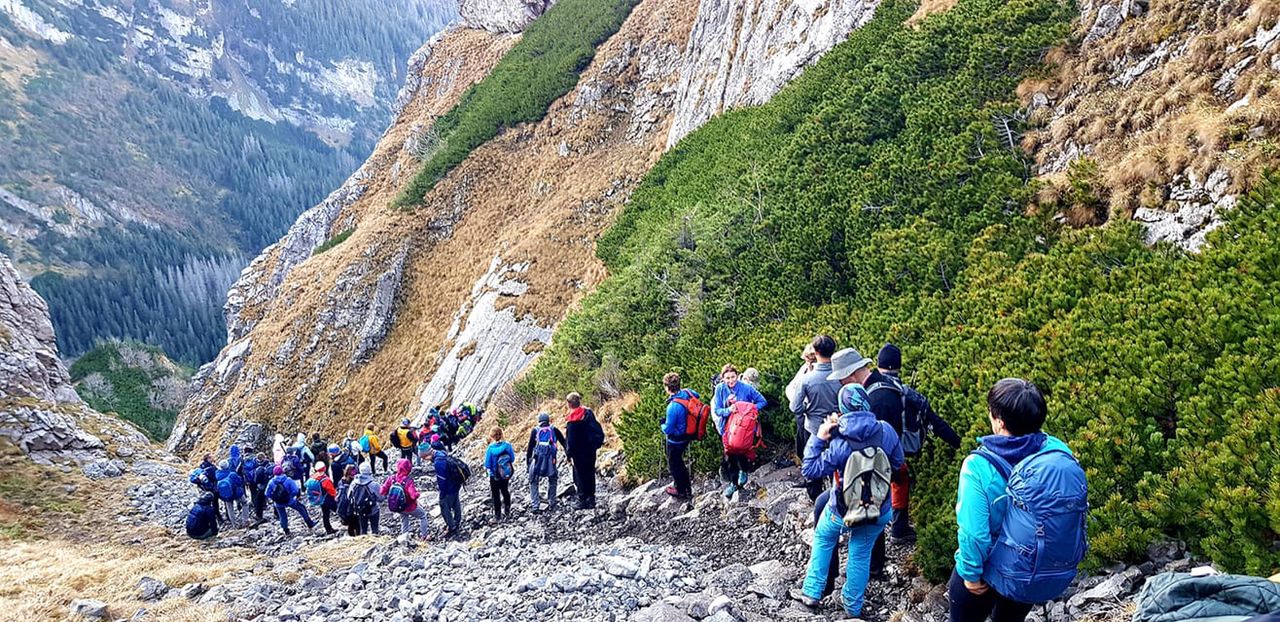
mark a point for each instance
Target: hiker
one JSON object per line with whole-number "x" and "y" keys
{"x": 258, "y": 479}
{"x": 728, "y": 391}
{"x": 741, "y": 437}
{"x": 304, "y": 451}
{"x": 230, "y": 492}
{"x": 322, "y": 494}
{"x": 320, "y": 452}
{"x": 372, "y": 448}
{"x": 363, "y": 495}
{"x": 351, "y": 445}
{"x": 500, "y": 462}
{"x": 540, "y": 456}
{"x": 451, "y": 474}
{"x": 405, "y": 439}
{"x": 283, "y": 492}
{"x": 751, "y": 376}
{"x": 1047, "y": 513}
{"x": 340, "y": 459}
{"x": 277, "y": 449}
{"x": 583, "y": 438}
{"x": 814, "y": 400}
{"x": 235, "y": 460}
{"x": 294, "y": 465}
{"x": 205, "y": 478}
{"x": 911, "y": 416}
{"x": 402, "y": 498}
{"x": 202, "y": 519}
{"x": 680, "y": 427}
{"x": 346, "y": 513}
{"x": 860, "y": 453}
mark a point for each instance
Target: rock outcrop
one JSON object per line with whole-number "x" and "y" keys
{"x": 509, "y": 16}
{"x": 742, "y": 52}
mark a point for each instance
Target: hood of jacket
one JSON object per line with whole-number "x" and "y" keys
{"x": 205, "y": 499}
{"x": 860, "y": 426}
{"x": 403, "y": 467}
{"x": 576, "y": 414}
{"x": 1014, "y": 448}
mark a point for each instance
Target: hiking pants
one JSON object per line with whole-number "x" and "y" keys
{"x": 584, "y": 477}
{"x": 818, "y": 510}
{"x": 899, "y": 495}
{"x": 826, "y": 536}
{"x": 451, "y": 511}
{"x": 969, "y": 607}
{"x": 407, "y": 453}
{"x": 802, "y": 437}
{"x": 283, "y": 515}
{"x": 259, "y": 502}
{"x": 235, "y": 511}
{"x": 353, "y": 525}
{"x": 368, "y": 524}
{"x": 534, "y": 497}
{"x": 737, "y": 468}
{"x": 500, "y": 493}
{"x": 424, "y": 525}
{"x": 325, "y": 512}
{"x": 381, "y": 455}
{"x": 679, "y": 472}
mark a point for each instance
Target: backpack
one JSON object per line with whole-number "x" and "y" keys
{"x": 740, "y": 434}
{"x": 363, "y": 501}
{"x": 402, "y": 438}
{"x": 365, "y": 445}
{"x": 864, "y": 485}
{"x": 294, "y": 462}
{"x": 344, "y": 502}
{"x": 262, "y": 476}
{"x": 280, "y": 493}
{"x": 912, "y": 434}
{"x": 505, "y": 469}
{"x": 458, "y": 469}
{"x": 397, "y": 497}
{"x": 1043, "y": 537}
{"x": 226, "y": 489}
{"x": 696, "y": 421}
{"x": 546, "y": 444}
{"x": 319, "y": 449}
{"x": 315, "y": 492}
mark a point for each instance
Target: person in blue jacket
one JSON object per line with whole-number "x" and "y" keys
{"x": 202, "y": 520}
{"x": 450, "y": 485}
{"x": 854, "y": 428}
{"x": 674, "y": 427}
{"x": 729, "y": 391}
{"x": 1017, "y": 411}
{"x": 231, "y": 492}
{"x": 283, "y": 492}
{"x": 499, "y": 461}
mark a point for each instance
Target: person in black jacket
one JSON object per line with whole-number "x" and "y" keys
{"x": 583, "y": 438}
{"x": 202, "y": 520}
{"x": 540, "y": 456}
{"x": 911, "y": 416}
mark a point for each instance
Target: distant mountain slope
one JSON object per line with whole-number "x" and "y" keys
{"x": 149, "y": 144}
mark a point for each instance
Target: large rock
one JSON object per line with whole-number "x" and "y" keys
{"x": 501, "y": 15}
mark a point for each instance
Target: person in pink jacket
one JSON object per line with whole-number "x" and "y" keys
{"x": 402, "y": 498}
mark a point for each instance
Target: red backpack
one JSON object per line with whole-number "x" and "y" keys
{"x": 741, "y": 433}
{"x": 696, "y": 422}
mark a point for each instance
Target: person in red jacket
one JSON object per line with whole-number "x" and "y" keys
{"x": 402, "y": 498}
{"x": 321, "y": 493}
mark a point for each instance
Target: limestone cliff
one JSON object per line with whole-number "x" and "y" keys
{"x": 453, "y": 300}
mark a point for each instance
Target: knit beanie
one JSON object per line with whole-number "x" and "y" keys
{"x": 890, "y": 357}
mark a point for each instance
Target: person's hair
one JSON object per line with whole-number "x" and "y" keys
{"x": 368, "y": 426}
{"x": 315, "y": 436}
{"x": 751, "y": 376}
{"x": 496, "y": 434}
{"x": 728, "y": 367}
{"x": 808, "y": 353}
{"x": 1019, "y": 404}
{"x": 824, "y": 346}
{"x": 573, "y": 399}
{"x": 671, "y": 381}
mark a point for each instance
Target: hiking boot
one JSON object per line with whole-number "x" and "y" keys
{"x": 901, "y": 529}
{"x": 729, "y": 490}
{"x": 805, "y": 599}
{"x": 800, "y": 483}
{"x": 590, "y": 504}
{"x": 671, "y": 490}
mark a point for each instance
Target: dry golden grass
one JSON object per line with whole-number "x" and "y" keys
{"x": 929, "y": 7}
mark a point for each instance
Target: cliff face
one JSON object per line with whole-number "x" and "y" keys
{"x": 453, "y": 300}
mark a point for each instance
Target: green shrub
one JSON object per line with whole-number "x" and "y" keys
{"x": 134, "y": 380}
{"x": 333, "y": 241}
{"x": 873, "y": 199}
{"x": 540, "y": 69}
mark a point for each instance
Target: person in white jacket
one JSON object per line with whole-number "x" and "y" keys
{"x": 808, "y": 357}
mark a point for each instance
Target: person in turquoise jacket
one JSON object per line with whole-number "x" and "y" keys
{"x": 1017, "y": 411}
{"x": 499, "y": 461}
{"x": 728, "y": 391}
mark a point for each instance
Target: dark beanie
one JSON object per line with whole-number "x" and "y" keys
{"x": 890, "y": 357}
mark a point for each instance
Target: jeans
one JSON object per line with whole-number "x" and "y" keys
{"x": 679, "y": 472}
{"x": 968, "y": 607}
{"x": 820, "y": 508}
{"x": 534, "y": 497}
{"x": 283, "y": 515}
{"x": 500, "y": 493}
{"x": 451, "y": 511}
{"x": 424, "y": 525}
{"x": 584, "y": 477}
{"x": 368, "y": 524}
{"x": 826, "y": 536}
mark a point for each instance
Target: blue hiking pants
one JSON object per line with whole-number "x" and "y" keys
{"x": 826, "y": 536}
{"x": 283, "y": 515}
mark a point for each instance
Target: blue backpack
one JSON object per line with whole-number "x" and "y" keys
{"x": 397, "y": 497}
{"x": 1043, "y": 537}
{"x": 505, "y": 468}
{"x": 315, "y": 492}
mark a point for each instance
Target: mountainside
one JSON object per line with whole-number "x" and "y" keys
{"x": 449, "y": 301}
{"x": 149, "y": 149}
{"x": 134, "y": 381}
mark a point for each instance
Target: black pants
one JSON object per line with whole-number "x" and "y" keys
{"x": 802, "y": 437}
{"x": 407, "y": 453}
{"x": 679, "y": 472}
{"x": 259, "y": 502}
{"x": 734, "y": 465}
{"x": 584, "y": 477}
{"x": 373, "y": 461}
{"x": 968, "y": 607}
{"x": 367, "y": 524}
{"x": 325, "y": 511}
{"x": 500, "y": 494}
{"x": 353, "y": 525}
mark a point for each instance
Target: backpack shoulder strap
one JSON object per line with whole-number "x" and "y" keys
{"x": 1001, "y": 465}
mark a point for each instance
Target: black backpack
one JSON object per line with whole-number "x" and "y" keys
{"x": 363, "y": 501}
{"x": 458, "y": 469}
{"x": 595, "y": 433}
{"x": 344, "y": 501}
{"x": 913, "y": 429}
{"x": 280, "y": 494}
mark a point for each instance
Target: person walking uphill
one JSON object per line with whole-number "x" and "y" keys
{"x": 322, "y": 494}
{"x": 815, "y": 399}
{"x": 283, "y": 492}
{"x": 402, "y": 498}
{"x": 583, "y": 438}
{"x": 729, "y": 391}
{"x": 405, "y": 438}
{"x": 725, "y": 403}
{"x": 541, "y": 456}
{"x": 686, "y": 421}
{"x": 1020, "y": 490}
{"x": 363, "y": 496}
{"x": 859, "y": 453}
{"x": 451, "y": 474}
{"x": 500, "y": 462}
{"x": 371, "y": 445}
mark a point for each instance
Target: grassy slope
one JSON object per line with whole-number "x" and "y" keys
{"x": 874, "y": 199}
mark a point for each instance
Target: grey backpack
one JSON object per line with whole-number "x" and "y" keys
{"x": 865, "y": 485}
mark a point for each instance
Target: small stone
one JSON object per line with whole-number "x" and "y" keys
{"x": 150, "y": 589}
{"x": 191, "y": 591}
{"x": 89, "y": 608}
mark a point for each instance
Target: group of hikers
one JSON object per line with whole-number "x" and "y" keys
{"x": 338, "y": 479}
{"x": 1022, "y": 497}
